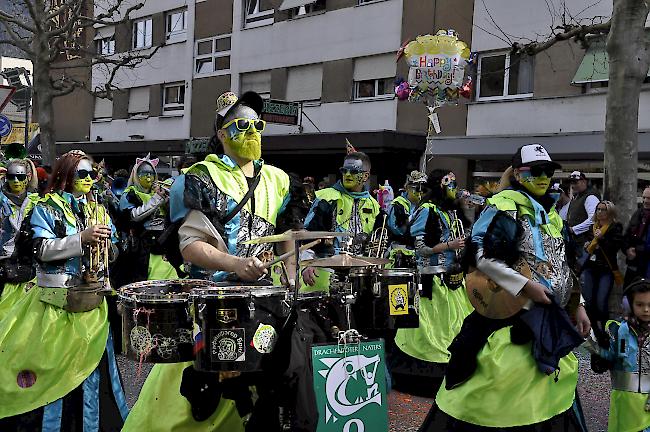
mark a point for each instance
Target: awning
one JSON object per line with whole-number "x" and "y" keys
{"x": 595, "y": 64}
{"x": 104, "y": 32}
{"x": 290, "y": 4}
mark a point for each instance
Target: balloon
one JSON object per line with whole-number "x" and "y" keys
{"x": 466, "y": 89}
{"x": 436, "y": 68}
{"x": 402, "y": 91}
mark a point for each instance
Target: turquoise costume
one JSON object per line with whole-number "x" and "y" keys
{"x": 507, "y": 389}
{"x": 630, "y": 376}
{"x": 213, "y": 187}
{"x": 442, "y": 309}
{"x": 55, "y": 362}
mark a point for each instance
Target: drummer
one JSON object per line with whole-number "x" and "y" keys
{"x": 223, "y": 201}
{"x": 423, "y": 354}
{"x": 400, "y": 217}
{"x": 345, "y": 207}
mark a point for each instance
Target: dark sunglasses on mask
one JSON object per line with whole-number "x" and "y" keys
{"x": 82, "y": 174}
{"x": 537, "y": 171}
{"x": 19, "y": 177}
{"x": 243, "y": 124}
{"x": 353, "y": 171}
{"x": 146, "y": 174}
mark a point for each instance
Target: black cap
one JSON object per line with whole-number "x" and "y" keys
{"x": 577, "y": 175}
{"x": 533, "y": 155}
{"x": 250, "y": 99}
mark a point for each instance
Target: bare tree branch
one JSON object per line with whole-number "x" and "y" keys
{"x": 17, "y": 40}
{"x": 577, "y": 32}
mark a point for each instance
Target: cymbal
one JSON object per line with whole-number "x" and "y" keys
{"x": 344, "y": 261}
{"x": 492, "y": 301}
{"x": 297, "y": 235}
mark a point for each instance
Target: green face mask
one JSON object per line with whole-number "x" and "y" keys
{"x": 537, "y": 186}
{"x": 17, "y": 179}
{"x": 246, "y": 145}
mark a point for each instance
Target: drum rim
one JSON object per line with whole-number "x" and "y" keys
{"x": 362, "y": 271}
{"x": 179, "y": 297}
{"x": 244, "y": 292}
{"x": 397, "y": 272}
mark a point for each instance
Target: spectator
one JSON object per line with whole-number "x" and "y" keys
{"x": 637, "y": 243}
{"x": 580, "y": 214}
{"x": 601, "y": 269}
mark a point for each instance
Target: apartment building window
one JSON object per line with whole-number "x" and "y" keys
{"x": 298, "y": 8}
{"x": 176, "y": 25}
{"x": 212, "y": 56}
{"x": 259, "y": 82}
{"x": 362, "y": 2}
{"x": 142, "y": 33}
{"x": 139, "y": 102}
{"x": 305, "y": 83}
{"x": 374, "y": 77}
{"x": 174, "y": 98}
{"x": 103, "y": 109}
{"x": 106, "y": 46}
{"x": 258, "y": 13}
{"x": 504, "y": 76}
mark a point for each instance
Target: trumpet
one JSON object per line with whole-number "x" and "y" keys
{"x": 457, "y": 232}
{"x": 378, "y": 243}
{"x": 98, "y": 254}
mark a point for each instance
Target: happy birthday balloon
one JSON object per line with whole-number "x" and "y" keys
{"x": 436, "y": 67}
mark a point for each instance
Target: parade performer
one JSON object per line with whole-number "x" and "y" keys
{"x": 345, "y": 207}
{"x": 423, "y": 353}
{"x": 144, "y": 205}
{"x": 59, "y": 370}
{"x": 495, "y": 379}
{"x": 17, "y": 197}
{"x": 629, "y": 360}
{"x": 400, "y": 217}
{"x": 222, "y": 201}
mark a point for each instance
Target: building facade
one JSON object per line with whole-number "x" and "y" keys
{"x": 334, "y": 57}
{"x": 556, "y": 98}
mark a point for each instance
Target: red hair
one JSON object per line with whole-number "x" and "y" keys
{"x": 64, "y": 171}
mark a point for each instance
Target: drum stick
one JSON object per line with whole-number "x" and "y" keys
{"x": 289, "y": 254}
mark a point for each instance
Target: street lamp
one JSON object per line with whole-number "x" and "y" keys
{"x": 23, "y": 96}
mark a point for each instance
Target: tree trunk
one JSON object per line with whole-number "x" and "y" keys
{"x": 43, "y": 93}
{"x": 628, "y": 66}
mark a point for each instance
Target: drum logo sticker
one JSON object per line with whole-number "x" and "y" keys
{"x": 226, "y": 315}
{"x": 264, "y": 338}
{"x": 399, "y": 299}
{"x": 228, "y": 345}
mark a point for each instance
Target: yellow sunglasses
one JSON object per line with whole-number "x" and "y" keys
{"x": 243, "y": 124}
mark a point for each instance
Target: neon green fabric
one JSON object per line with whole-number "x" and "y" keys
{"x": 510, "y": 200}
{"x": 61, "y": 348}
{"x": 160, "y": 268}
{"x": 627, "y": 412}
{"x": 368, "y": 210}
{"x": 11, "y": 294}
{"x": 269, "y": 194}
{"x": 394, "y": 251}
{"x": 161, "y": 407}
{"x": 144, "y": 196}
{"x": 507, "y": 389}
{"x": 322, "y": 283}
{"x": 440, "y": 321}
{"x": 404, "y": 202}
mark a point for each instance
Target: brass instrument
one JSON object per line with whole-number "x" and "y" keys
{"x": 98, "y": 254}
{"x": 457, "y": 231}
{"x": 378, "y": 243}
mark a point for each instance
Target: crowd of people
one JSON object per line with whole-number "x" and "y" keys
{"x": 553, "y": 254}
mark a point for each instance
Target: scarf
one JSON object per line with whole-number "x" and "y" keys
{"x": 594, "y": 243}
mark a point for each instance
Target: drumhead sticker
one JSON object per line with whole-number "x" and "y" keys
{"x": 399, "y": 299}
{"x": 228, "y": 345}
{"x": 264, "y": 338}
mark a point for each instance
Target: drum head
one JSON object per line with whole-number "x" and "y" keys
{"x": 161, "y": 291}
{"x": 238, "y": 291}
{"x": 361, "y": 271}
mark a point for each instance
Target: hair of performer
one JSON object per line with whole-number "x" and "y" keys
{"x": 21, "y": 176}
{"x": 355, "y": 171}
{"x": 442, "y": 187}
{"x": 605, "y": 213}
{"x": 73, "y": 172}
{"x": 638, "y": 296}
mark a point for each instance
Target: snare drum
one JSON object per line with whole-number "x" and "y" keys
{"x": 156, "y": 321}
{"x": 392, "y": 303}
{"x": 238, "y": 325}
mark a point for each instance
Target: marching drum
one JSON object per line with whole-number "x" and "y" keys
{"x": 156, "y": 321}
{"x": 391, "y": 303}
{"x": 238, "y": 325}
